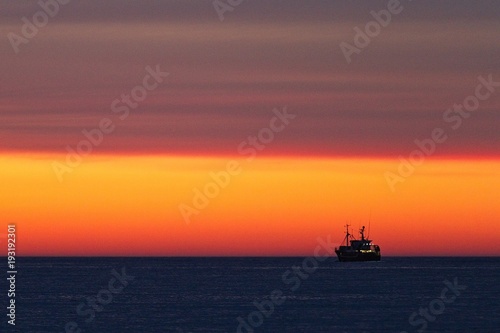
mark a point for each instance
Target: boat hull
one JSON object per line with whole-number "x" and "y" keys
{"x": 358, "y": 256}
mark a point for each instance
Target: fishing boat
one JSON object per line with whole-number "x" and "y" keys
{"x": 358, "y": 249}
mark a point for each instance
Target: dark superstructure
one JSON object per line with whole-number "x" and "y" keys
{"x": 359, "y": 249}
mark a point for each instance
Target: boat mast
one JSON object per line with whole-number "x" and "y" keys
{"x": 347, "y": 234}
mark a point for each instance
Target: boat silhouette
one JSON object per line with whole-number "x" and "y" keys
{"x": 359, "y": 249}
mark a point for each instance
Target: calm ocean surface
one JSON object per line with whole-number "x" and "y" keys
{"x": 209, "y": 294}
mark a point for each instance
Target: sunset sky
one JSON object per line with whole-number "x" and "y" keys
{"x": 351, "y": 125}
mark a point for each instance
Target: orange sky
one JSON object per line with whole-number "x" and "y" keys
{"x": 113, "y": 205}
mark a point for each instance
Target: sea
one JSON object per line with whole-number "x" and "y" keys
{"x": 243, "y": 294}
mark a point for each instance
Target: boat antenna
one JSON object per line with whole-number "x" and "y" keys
{"x": 369, "y": 223}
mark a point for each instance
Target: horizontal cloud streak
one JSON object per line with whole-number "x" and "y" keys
{"x": 252, "y": 11}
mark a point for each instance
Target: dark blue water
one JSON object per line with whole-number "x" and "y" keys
{"x": 209, "y": 294}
